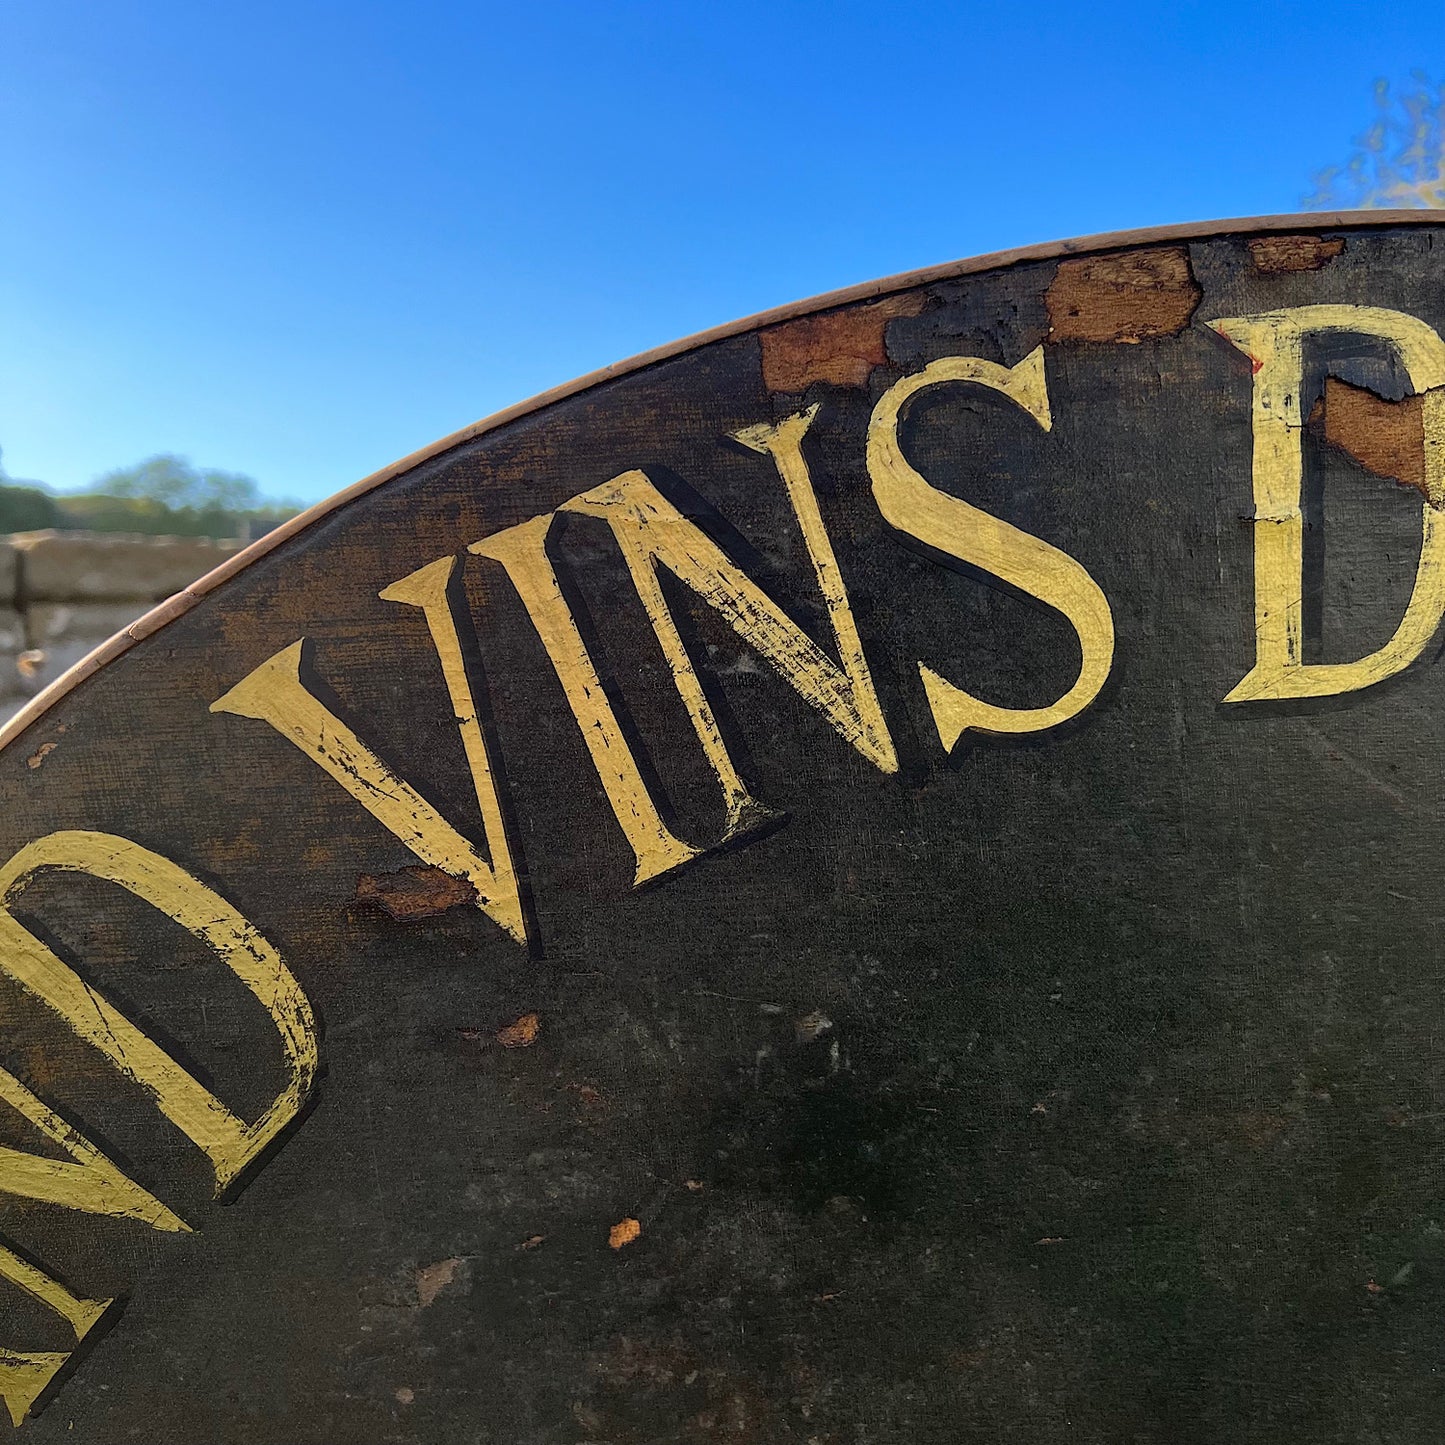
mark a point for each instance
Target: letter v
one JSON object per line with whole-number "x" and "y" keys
{"x": 274, "y": 693}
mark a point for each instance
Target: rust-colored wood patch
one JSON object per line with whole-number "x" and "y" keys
{"x": 1385, "y": 437}
{"x": 624, "y": 1232}
{"x": 521, "y": 1033}
{"x": 1126, "y": 296}
{"x": 1275, "y": 254}
{"x": 840, "y": 347}
{"x": 412, "y": 893}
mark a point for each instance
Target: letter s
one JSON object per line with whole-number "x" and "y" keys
{"x": 951, "y": 525}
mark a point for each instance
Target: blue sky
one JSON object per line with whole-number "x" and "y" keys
{"x": 301, "y": 239}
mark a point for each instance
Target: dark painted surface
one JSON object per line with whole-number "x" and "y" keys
{"x": 1089, "y": 1088}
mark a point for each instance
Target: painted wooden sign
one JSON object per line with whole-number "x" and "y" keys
{"x": 869, "y": 879}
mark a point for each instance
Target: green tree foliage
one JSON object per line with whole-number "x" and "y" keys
{"x": 26, "y": 509}
{"x": 166, "y": 494}
{"x": 1400, "y": 161}
{"x": 24, "y": 506}
{"x": 161, "y": 496}
{"x": 174, "y": 482}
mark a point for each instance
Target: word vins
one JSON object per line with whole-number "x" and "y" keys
{"x": 651, "y": 533}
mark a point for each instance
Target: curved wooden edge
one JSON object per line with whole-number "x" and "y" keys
{"x": 183, "y": 601}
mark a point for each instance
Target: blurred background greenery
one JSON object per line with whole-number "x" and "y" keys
{"x": 161, "y": 496}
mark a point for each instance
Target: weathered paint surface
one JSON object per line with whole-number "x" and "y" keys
{"x": 1125, "y": 296}
{"x": 867, "y": 883}
{"x": 1273, "y": 254}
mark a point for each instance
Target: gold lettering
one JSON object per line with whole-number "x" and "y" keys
{"x": 428, "y": 589}
{"x": 522, "y": 551}
{"x": 1275, "y": 342}
{"x": 25, "y": 1376}
{"x": 274, "y": 693}
{"x": 651, "y": 531}
{"x": 91, "y": 1184}
{"x": 951, "y": 525}
{"x": 228, "y": 1141}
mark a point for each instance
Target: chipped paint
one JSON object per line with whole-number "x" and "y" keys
{"x": 432, "y": 1279}
{"x": 1275, "y": 254}
{"x": 1277, "y": 340}
{"x": 522, "y": 1033}
{"x": 414, "y": 892}
{"x": 40, "y": 754}
{"x": 840, "y": 348}
{"x": 624, "y": 1232}
{"x": 1127, "y": 296}
{"x": 1385, "y": 437}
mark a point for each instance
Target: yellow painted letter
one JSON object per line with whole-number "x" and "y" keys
{"x": 522, "y": 550}
{"x": 24, "y": 1376}
{"x": 91, "y": 1183}
{"x": 1274, "y": 341}
{"x": 274, "y": 693}
{"x": 229, "y": 1142}
{"x": 427, "y": 589}
{"x": 951, "y": 525}
{"x": 651, "y": 531}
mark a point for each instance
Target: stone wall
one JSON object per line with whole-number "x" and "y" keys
{"x": 64, "y": 593}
